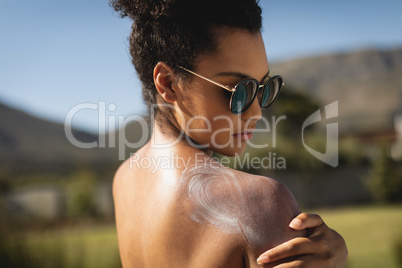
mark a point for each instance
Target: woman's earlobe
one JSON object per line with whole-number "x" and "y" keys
{"x": 163, "y": 79}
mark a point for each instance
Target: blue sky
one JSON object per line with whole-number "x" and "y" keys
{"x": 57, "y": 54}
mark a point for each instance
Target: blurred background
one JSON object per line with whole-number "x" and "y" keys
{"x": 67, "y": 63}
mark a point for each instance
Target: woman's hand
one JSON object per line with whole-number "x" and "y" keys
{"x": 322, "y": 248}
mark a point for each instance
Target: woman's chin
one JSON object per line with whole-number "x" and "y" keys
{"x": 230, "y": 151}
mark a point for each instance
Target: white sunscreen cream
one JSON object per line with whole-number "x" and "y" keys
{"x": 219, "y": 197}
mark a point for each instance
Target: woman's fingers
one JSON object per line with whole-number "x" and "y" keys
{"x": 322, "y": 248}
{"x": 294, "y": 247}
{"x": 305, "y": 261}
{"x": 306, "y": 220}
{"x": 300, "y": 245}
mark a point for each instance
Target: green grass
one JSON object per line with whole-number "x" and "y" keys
{"x": 78, "y": 247}
{"x": 371, "y": 234}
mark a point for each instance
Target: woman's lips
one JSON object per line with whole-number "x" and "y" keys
{"x": 245, "y": 135}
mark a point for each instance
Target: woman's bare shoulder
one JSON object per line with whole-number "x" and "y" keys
{"x": 267, "y": 189}
{"x": 126, "y": 172}
{"x": 257, "y": 207}
{"x": 215, "y": 180}
{"x": 121, "y": 177}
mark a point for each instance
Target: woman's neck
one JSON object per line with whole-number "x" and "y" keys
{"x": 174, "y": 140}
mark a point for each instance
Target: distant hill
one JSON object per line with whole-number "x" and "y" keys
{"x": 30, "y": 144}
{"x": 367, "y": 84}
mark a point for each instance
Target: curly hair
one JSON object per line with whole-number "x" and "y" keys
{"x": 177, "y": 32}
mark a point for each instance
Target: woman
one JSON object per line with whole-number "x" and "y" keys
{"x": 175, "y": 205}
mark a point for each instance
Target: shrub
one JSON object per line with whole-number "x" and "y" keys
{"x": 385, "y": 181}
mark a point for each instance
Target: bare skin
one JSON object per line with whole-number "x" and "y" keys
{"x": 156, "y": 228}
{"x": 161, "y": 219}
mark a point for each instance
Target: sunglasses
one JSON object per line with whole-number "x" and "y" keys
{"x": 244, "y": 93}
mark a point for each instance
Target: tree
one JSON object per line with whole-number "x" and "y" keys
{"x": 385, "y": 181}
{"x": 81, "y": 202}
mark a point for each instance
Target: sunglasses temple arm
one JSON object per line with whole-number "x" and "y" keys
{"x": 209, "y": 80}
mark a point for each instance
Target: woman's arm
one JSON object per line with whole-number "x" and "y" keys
{"x": 322, "y": 248}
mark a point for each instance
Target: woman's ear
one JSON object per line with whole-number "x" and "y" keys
{"x": 163, "y": 79}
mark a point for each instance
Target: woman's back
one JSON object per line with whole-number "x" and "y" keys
{"x": 197, "y": 213}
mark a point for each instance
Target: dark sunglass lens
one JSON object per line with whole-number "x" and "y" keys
{"x": 244, "y": 95}
{"x": 271, "y": 91}
{"x": 266, "y": 95}
{"x": 239, "y": 99}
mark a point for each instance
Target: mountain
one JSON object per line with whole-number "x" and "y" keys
{"x": 367, "y": 84}
{"x": 32, "y": 145}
